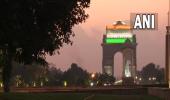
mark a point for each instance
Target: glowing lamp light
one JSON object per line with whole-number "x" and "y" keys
{"x": 34, "y": 84}
{"x": 105, "y": 84}
{"x": 41, "y": 83}
{"x": 118, "y": 82}
{"x": 140, "y": 79}
{"x": 65, "y": 83}
{"x": 1, "y": 85}
{"x": 91, "y": 84}
{"x": 136, "y": 77}
{"x": 92, "y": 75}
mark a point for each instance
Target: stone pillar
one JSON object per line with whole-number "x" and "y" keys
{"x": 167, "y": 56}
{"x": 107, "y": 62}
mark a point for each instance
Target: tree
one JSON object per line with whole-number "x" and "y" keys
{"x": 54, "y": 76}
{"x": 76, "y": 76}
{"x": 28, "y": 75}
{"x": 30, "y": 29}
{"x": 152, "y": 74}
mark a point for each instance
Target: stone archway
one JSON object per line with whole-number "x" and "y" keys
{"x": 119, "y": 38}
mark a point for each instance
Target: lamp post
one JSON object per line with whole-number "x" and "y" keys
{"x": 92, "y": 79}
{"x": 92, "y": 75}
{"x": 167, "y": 50}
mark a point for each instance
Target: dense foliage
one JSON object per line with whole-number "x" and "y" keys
{"x": 30, "y": 29}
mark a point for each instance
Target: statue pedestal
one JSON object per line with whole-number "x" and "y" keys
{"x": 128, "y": 81}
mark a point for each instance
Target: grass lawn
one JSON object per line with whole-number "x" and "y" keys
{"x": 72, "y": 96}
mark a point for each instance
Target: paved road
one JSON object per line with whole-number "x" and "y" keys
{"x": 119, "y": 90}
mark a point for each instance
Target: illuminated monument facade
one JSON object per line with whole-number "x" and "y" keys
{"x": 119, "y": 38}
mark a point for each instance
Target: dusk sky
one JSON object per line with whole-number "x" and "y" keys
{"x": 87, "y": 51}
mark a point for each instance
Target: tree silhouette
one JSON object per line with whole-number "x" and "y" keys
{"x": 76, "y": 76}
{"x": 28, "y": 74}
{"x": 152, "y": 71}
{"x": 30, "y": 29}
{"x": 54, "y": 76}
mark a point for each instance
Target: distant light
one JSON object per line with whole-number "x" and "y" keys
{"x": 97, "y": 82}
{"x": 150, "y": 78}
{"x": 154, "y": 78}
{"x": 118, "y": 82}
{"x": 127, "y": 75}
{"x": 17, "y": 84}
{"x": 42, "y": 83}
{"x": 140, "y": 79}
{"x": 93, "y": 75}
{"x": 91, "y": 84}
{"x": 105, "y": 84}
{"x": 34, "y": 84}
{"x": 136, "y": 77}
{"x": 65, "y": 83}
{"x": 1, "y": 84}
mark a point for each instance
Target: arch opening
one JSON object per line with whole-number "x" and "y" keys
{"x": 118, "y": 65}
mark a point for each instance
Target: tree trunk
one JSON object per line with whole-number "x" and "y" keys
{"x": 6, "y": 73}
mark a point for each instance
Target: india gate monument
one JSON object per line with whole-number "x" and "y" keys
{"x": 119, "y": 38}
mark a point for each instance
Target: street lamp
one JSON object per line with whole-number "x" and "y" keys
{"x": 65, "y": 83}
{"x": 140, "y": 79}
{"x": 136, "y": 77}
{"x": 1, "y": 85}
{"x": 92, "y": 75}
{"x": 154, "y": 78}
{"x": 91, "y": 84}
{"x": 92, "y": 79}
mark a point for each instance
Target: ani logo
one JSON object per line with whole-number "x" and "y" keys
{"x": 144, "y": 21}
